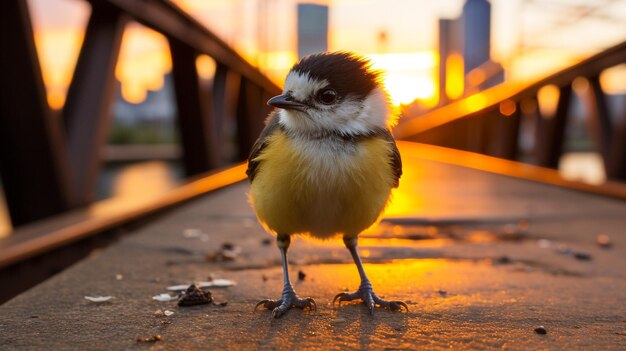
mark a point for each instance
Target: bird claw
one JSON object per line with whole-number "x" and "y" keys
{"x": 371, "y": 300}
{"x": 287, "y": 301}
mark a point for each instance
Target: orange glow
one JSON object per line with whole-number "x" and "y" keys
{"x": 58, "y": 51}
{"x": 275, "y": 64}
{"x": 548, "y": 97}
{"x": 206, "y": 67}
{"x": 528, "y": 106}
{"x": 144, "y": 60}
{"x": 475, "y": 102}
{"x": 507, "y": 107}
{"x": 538, "y": 63}
{"x": 455, "y": 76}
{"x": 408, "y": 76}
{"x": 613, "y": 80}
{"x": 476, "y": 77}
{"x": 580, "y": 86}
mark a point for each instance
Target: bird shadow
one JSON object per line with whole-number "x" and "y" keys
{"x": 354, "y": 323}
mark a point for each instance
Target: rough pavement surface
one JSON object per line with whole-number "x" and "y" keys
{"x": 484, "y": 261}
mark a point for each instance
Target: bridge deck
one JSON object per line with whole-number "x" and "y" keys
{"x": 467, "y": 257}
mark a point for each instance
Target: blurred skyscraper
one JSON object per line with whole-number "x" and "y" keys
{"x": 312, "y": 29}
{"x": 465, "y": 52}
{"x": 476, "y": 33}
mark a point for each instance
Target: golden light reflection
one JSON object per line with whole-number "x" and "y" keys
{"x": 613, "y": 80}
{"x": 507, "y": 107}
{"x": 548, "y": 98}
{"x": 143, "y": 179}
{"x": 5, "y": 222}
{"x": 408, "y": 76}
{"x": 143, "y": 62}
{"x": 206, "y": 67}
{"x": 455, "y": 76}
{"x": 58, "y": 50}
{"x": 475, "y": 103}
{"x": 580, "y": 85}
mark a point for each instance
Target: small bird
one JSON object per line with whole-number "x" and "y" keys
{"x": 325, "y": 164}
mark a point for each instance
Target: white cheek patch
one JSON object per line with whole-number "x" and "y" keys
{"x": 376, "y": 110}
{"x": 302, "y": 86}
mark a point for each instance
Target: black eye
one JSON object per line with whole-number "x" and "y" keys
{"x": 327, "y": 96}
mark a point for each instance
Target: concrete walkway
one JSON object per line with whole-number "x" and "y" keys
{"x": 482, "y": 262}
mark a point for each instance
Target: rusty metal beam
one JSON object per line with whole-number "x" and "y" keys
{"x": 87, "y": 111}
{"x": 599, "y": 118}
{"x": 504, "y": 136}
{"x": 250, "y": 117}
{"x": 32, "y": 158}
{"x": 516, "y": 92}
{"x": 225, "y": 97}
{"x": 171, "y": 21}
{"x": 616, "y": 161}
{"x": 551, "y": 131}
{"x": 195, "y": 118}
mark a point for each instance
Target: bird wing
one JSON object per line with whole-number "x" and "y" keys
{"x": 261, "y": 143}
{"x": 396, "y": 160}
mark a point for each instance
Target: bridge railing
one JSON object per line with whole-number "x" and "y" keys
{"x": 489, "y": 122}
{"x": 49, "y": 160}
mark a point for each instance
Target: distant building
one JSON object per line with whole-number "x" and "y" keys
{"x": 312, "y": 29}
{"x": 469, "y": 37}
{"x": 476, "y": 20}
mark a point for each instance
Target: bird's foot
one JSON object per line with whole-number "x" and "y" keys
{"x": 371, "y": 300}
{"x": 288, "y": 300}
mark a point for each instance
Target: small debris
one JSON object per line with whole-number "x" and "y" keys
{"x": 541, "y": 330}
{"x": 168, "y": 313}
{"x": 266, "y": 242}
{"x": 165, "y": 297}
{"x": 150, "y": 339}
{"x": 511, "y": 233}
{"x": 223, "y": 304}
{"x": 563, "y": 250}
{"x": 582, "y": 256}
{"x": 191, "y": 233}
{"x": 443, "y": 293}
{"x": 523, "y": 224}
{"x": 228, "y": 252}
{"x": 544, "y": 243}
{"x": 158, "y": 313}
{"x": 194, "y": 296}
{"x": 504, "y": 260}
{"x": 301, "y": 275}
{"x": 264, "y": 277}
{"x": 215, "y": 283}
{"x": 119, "y": 277}
{"x": 98, "y": 299}
{"x": 604, "y": 241}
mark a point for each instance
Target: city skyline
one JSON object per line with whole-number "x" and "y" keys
{"x": 263, "y": 31}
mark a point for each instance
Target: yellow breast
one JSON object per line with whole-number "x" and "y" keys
{"x": 319, "y": 187}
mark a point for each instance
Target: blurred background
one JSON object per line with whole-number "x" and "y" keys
{"x": 432, "y": 53}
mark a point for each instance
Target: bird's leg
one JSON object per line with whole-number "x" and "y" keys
{"x": 288, "y": 298}
{"x": 365, "y": 292}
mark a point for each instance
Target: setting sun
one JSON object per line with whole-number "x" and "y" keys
{"x": 408, "y": 76}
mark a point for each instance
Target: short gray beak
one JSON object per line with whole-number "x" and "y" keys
{"x": 286, "y": 101}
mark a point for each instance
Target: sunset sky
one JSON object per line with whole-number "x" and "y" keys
{"x": 530, "y": 38}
